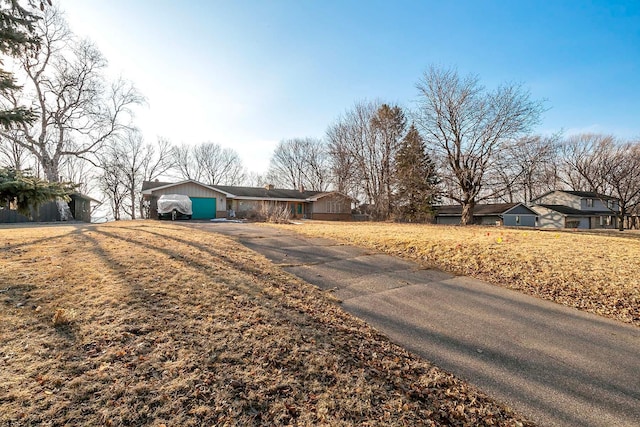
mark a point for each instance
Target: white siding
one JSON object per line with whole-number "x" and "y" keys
{"x": 560, "y": 198}
{"x": 548, "y": 218}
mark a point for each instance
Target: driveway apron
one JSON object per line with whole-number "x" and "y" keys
{"x": 555, "y": 365}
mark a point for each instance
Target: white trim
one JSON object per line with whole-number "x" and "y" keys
{"x": 519, "y": 204}
{"x": 321, "y": 195}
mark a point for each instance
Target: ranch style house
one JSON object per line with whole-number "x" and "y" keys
{"x": 222, "y": 201}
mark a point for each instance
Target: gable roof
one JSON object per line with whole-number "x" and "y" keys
{"x": 330, "y": 193}
{"x": 85, "y": 197}
{"x": 149, "y": 186}
{"x": 247, "y": 193}
{"x": 481, "y": 209}
{"x": 566, "y": 210}
{"x": 264, "y": 193}
{"x": 590, "y": 195}
{"x": 581, "y": 194}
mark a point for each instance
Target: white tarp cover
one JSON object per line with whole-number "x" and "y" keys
{"x": 168, "y": 202}
{"x": 64, "y": 210}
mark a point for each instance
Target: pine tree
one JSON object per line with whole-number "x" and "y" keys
{"x": 416, "y": 179}
{"x": 27, "y": 191}
{"x": 17, "y": 33}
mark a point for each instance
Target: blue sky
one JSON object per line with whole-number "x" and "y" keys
{"x": 246, "y": 74}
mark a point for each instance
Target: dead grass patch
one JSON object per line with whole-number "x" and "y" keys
{"x": 594, "y": 272}
{"x": 163, "y": 325}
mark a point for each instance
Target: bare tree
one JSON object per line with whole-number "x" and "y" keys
{"x": 622, "y": 177}
{"x": 112, "y": 186}
{"x": 126, "y": 163}
{"x": 343, "y": 173}
{"x": 78, "y": 109}
{"x": 363, "y": 144}
{"x": 13, "y": 155}
{"x": 79, "y": 171}
{"x": 583, "y": 159}
{"x": 185, "y": 163}
{"x": 525, "y": 168}
{"x": 255, "y": 179}
{"x": 209, "y": 163}
{"x": 467, "y": 125}
{"x": 604, "y": 165}
{"x": 299, "y": 163}
{"x": 219, "y": 166}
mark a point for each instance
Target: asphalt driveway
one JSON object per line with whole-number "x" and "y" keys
{"x": 555, "y": 365}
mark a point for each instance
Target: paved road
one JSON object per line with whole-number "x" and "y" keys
{"x": 555, "y": 365}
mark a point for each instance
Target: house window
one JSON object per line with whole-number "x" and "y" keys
{"x": 589, "y": 203}
{"x": 610, "y": 204}
{"x": 601, "y": 221}
{"x": 517, "y": 219}
{"x": 335, "y": 206}
{"x": 608, "y": 220}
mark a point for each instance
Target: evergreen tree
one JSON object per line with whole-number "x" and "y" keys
{"x": 416, "y": 179}
{"x": 25, "y": 191}
{"x": 17, "y": 33}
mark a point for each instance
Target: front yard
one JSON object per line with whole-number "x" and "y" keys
{"x": 150, "y": 323}
{"x": 594, "y": 272}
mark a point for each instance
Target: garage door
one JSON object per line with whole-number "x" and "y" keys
{"x": 203, "y": 208}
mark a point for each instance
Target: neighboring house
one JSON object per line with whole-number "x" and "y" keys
{"x": 576, "y": 209}
{"x": 508, "y": 214}
{"x": 78, "y": 209}
{"x": 220, "y": 201}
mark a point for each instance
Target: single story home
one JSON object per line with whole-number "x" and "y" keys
{"x": 221, "y": 201}
{"x": 508, "y": 214}
{"x": 576, "y": 209}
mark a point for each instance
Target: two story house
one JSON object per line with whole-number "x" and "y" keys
{"x": 575, "y": 209}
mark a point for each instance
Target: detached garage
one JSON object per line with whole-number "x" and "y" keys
{"x": 205, "y": 200}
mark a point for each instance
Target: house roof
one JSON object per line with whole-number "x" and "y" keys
{"x": 263, "y": 193}
{"x": 480, "y": 209}
{"x": 590, "y": 195}
{"x": 582, "y": 194}
{"x": 85, "y": 197}
{"x": 566, "y": 210}
{"x": 149, "y": 185}
{"x": 248, "y": 193}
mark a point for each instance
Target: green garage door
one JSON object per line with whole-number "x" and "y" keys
{"x": 203, "y": 208}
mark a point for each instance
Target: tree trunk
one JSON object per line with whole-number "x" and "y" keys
{"x": 51, "y": 169}
{"x": 621, "y": 215}
{"x": 467, "y": 212}
{"x": 133, "y": 204}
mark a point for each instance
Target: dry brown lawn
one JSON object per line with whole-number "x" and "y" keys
{"x": 594, "y": 272}
{"x": 149, "y": 323}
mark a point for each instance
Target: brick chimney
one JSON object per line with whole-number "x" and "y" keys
{"x": 268, "y": 187}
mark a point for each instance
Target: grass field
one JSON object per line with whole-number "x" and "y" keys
{"x": 148, "y": 323}
{"x": 594, "y": 272}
